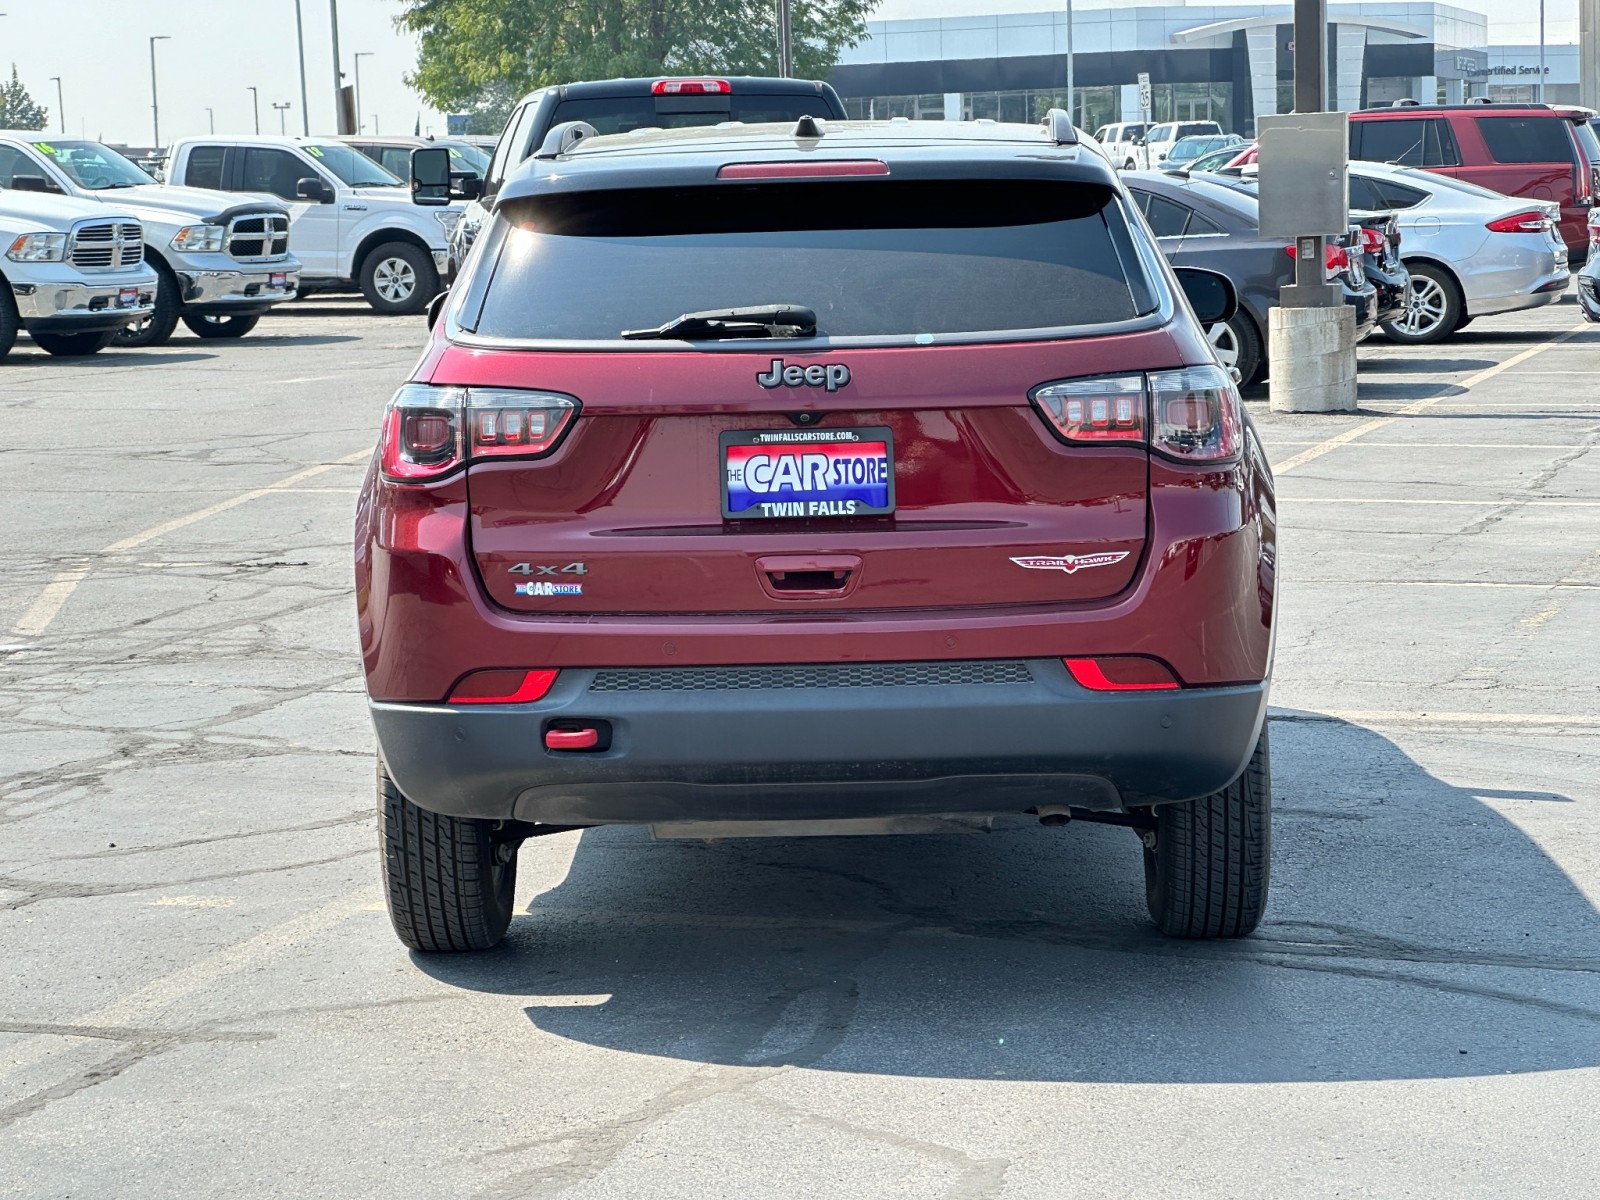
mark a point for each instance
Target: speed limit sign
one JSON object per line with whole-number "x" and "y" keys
{"x": 1144, "y": 91}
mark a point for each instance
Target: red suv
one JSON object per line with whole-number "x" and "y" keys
{"x": 844, "y": 478}
{"x": 1537, "y": 151}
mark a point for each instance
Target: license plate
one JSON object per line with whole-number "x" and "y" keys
{"x": 277, "y": 281}
{"x": 807, "y": 473}
{"x": 128, "y": 298}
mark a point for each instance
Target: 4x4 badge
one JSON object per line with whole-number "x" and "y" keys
{"x": 1072, "y": 562}
{"x": 831, "y": 376}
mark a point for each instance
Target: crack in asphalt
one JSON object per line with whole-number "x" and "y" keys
{"x": 36, "y": 891}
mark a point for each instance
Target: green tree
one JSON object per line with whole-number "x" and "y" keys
{"x": 17, "y": 109}
{"x": 480, "y": 56}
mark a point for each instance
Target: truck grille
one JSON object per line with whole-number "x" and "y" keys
{"x": 258, "y": 236}
{"x": 107, "y": 246}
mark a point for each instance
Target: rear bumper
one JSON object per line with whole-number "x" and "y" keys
{"x": 702, "y": 744}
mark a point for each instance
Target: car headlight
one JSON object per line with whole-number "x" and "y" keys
{"x": 195, "y": 239}
{"x": 38, "y": 247}
{"x": 448, "y": 217}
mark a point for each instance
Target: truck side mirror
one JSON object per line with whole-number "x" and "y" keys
{"x": 464, "y": 185}
{"x": 312, "y": 188}
{"x": 33, "y": 183}
{"x": 430, "y": 176}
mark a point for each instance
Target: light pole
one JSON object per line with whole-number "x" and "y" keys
{"x": 155, "y": 106}
{"x": 255, "y": 103}
{"x": 1071, "y": 108}
{"x": 300, "y": 39}
{"x": 1541, "y": 52}
{"x": 283, "y": 126}
{"x": 785, "y": 40}
{"x": 338, "y": 71}
{"x": 61, "y": 103}
{"x": 358, "y": 57}
{"x": 211, "y": 116}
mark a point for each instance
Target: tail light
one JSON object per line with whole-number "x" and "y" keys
{"x": 1338, "y": 259}
{"x": 1122, "y": 673}
{"x": 503, "y": 687}
{"x": 1372, "y": 242}
{"x": 691, "y": 87}
{"x": 1108, "y": 409}
{"x": 1192, "y": 414}
{"x": 1527, "y": 222}
{"x": 431, "y": 432}
{"x": 1594, "y": 236}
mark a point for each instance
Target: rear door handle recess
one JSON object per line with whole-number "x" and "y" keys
{"x": 808, "y": 576}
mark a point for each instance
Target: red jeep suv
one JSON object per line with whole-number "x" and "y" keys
{"x": 818, "y": 478}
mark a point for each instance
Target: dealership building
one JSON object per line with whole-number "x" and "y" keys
{"x": 1228, "y": 63}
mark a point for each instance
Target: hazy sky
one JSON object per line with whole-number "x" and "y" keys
{"x": 219, "y": 48}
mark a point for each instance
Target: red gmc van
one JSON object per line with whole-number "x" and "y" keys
{"x": 1537, "y": 151}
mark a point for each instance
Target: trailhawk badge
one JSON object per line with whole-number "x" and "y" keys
{"x": 1071, "y": 563}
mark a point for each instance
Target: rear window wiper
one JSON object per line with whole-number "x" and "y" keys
{"x": 762, "y": 320}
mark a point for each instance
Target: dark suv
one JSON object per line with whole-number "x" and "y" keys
{"x": 818, "y": 478}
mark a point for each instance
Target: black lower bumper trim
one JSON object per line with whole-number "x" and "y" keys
{"x": 822, "y": 753}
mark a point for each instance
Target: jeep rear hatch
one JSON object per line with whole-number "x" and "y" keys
{"x": 920, "y": 449}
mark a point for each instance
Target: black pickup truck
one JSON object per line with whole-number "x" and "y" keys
{"x": 623, "y": 105}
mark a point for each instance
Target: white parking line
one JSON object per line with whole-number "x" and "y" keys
{"x": 1472, "y": 381}
{"x": 59, "y": 590}
{"x": 1382, "y": 716}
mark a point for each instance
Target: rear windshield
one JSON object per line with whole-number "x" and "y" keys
{"x": 873, "y": 259}
{"x": 1584, "y": 131}
{"x": 622, "y": 114}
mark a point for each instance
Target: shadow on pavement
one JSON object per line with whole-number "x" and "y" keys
{"x": 111, "y": 356}
{"x": 1414, "y": 933}
{"x": 1415, "y": 366}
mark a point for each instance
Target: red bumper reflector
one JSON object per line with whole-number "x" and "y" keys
{"x": 802, "y": 170}
{"x": 1121, "y": 673}
{"x": 503, "y": 687}
{"x": 571, "y": 739}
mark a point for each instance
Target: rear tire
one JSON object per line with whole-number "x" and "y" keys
{"x": 398, "y": 279}
{"x": 449, "y": 882}
{"x": 209, "y": 327}
{"x": 1239, "y": 346}
{"x": 1434, "y": 311}
{"x": 156, "y": 329}
{"x": 73, "y": 345}
{"x": 1208, "y": 874}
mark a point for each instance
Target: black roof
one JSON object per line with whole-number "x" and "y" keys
{"x": 911, "y": 149}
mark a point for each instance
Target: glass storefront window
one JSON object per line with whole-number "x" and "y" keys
{"x": 1093, "y": 106}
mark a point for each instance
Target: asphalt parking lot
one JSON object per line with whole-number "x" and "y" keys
{"x": 202, "y": 995}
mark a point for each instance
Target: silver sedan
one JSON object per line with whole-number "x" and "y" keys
{"x": 1470, "y": 251}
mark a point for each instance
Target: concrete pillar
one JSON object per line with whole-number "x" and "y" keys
{"x": 1262, "y": 45}
{"x": 1455, "y": 91}
{"x": 1427, "y": 89}
{"x": 1312, "y": 359}
{"x": 1350, "y": 60}
{"x": 952, "y": 106}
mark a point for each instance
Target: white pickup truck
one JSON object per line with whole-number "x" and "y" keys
{"x": 71, "y": 273}
{"x": 222, "y": 260}
{"x": 353, "y": 224}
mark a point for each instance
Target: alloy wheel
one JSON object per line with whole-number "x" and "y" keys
{"x": 1225, "y": 342}
{"x": 395, "y": 280}
{"x": 1426, "y": 307}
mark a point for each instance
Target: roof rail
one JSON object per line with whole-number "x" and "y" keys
{"x": 564, "y": 137}
{"x": 1058, "y": 124}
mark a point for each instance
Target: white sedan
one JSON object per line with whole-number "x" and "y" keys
{"x": 1471, "y": 252}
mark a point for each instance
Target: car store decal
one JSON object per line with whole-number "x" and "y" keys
{"x": 548, "y": 589}
{"x": 1071, "y": 563}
